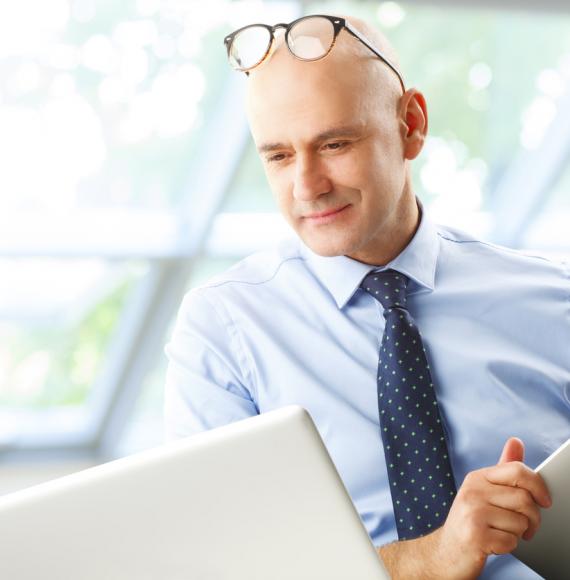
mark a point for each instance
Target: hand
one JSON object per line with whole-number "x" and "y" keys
{"x": 494, "y": 508}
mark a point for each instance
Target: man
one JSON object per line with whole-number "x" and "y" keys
{"x": 310, "y": 323}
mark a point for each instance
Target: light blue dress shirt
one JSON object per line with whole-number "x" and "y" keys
{"x": 290, "y": 327}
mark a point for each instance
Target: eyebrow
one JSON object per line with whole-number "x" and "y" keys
{"x": 341, "y": 131}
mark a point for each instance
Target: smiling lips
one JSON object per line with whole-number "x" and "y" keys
{"x": 326, "y": 216}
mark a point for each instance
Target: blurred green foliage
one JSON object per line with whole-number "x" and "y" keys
{"x": 55, "y": 365}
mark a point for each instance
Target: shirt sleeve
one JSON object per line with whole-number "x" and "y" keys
{"x": 208, "y": 373}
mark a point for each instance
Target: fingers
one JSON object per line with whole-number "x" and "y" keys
{"x": 516, "y": 474}
{"x": 517, "y": 500}
{"x": 506, "y": 521}
{"x": 512, "y": 451}
{"x": 501, "y": 542}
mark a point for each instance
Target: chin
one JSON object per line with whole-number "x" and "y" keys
{"x": 327, "y": 248}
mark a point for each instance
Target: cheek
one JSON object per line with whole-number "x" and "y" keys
{"x": 385, "y": 167}
{"x": 280, "y": 188}
{"x": 353, "y": 174}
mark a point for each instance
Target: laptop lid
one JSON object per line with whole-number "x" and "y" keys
{"x": 255, "y": 500}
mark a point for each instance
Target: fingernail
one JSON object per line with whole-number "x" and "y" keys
{"x": 547, "y": 501}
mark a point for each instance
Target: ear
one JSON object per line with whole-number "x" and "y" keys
{"x": 414, "y": 122}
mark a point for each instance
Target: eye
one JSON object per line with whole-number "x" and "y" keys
{"x": 275, "y": 158}
{"x": 336, "y": 145}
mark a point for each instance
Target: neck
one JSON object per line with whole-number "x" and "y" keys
{"x": 405, "y": 222}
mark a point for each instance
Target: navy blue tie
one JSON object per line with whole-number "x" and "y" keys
{"x": 417, "y": 459}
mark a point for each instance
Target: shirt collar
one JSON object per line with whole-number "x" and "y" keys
{"x": 342, "y": 275}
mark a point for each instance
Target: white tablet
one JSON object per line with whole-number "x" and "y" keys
{"x": 548, "y": 553}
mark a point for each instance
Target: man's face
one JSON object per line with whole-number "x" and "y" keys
{"x": 332, "y": 151}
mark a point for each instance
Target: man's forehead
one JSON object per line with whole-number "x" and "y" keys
{"x": 299, "y": 95}
{"x": 307, "y": 117}
{"x": 346, "y": 130}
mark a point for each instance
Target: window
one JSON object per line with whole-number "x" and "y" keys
{"x": 129, "y": 175}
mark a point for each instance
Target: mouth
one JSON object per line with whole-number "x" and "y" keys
{"x": 325, "y": 217}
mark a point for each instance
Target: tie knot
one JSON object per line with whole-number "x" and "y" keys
{"x": 388, "y": 287}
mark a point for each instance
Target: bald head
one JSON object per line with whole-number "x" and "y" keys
{"x": 376, "y": 38}
{"x": 348, "y": 58}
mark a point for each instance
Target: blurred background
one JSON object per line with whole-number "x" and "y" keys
{"x": 128, "y": 176}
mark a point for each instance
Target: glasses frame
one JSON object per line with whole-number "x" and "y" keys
{"x": 338, "y": 24}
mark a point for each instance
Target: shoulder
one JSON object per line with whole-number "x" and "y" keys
{"x": 463, "y": 245}
{"x": 259, "y": 268}
{"x": 254, "y": 279}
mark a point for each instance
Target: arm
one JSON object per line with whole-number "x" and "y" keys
{"x": 208, "y": 380}
{"x": 411, "y": 559}
{"x": 494, "y": 508}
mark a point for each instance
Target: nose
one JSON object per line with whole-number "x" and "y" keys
{"x": 310, "y": 181}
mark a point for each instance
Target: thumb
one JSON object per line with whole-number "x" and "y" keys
{"x": 512, "y": 451}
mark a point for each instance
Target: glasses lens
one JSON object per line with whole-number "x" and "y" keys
{"x": 249, "y": 47}
{"x": 311, "y": 38}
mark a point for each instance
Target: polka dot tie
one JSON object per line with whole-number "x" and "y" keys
{"x": 417, "y": 459}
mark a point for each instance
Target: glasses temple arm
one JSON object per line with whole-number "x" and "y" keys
{"x": 367, "y": 43}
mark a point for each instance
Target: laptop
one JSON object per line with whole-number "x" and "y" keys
{"x": 548, "y": 553}
{"x": 259, "y": 499}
